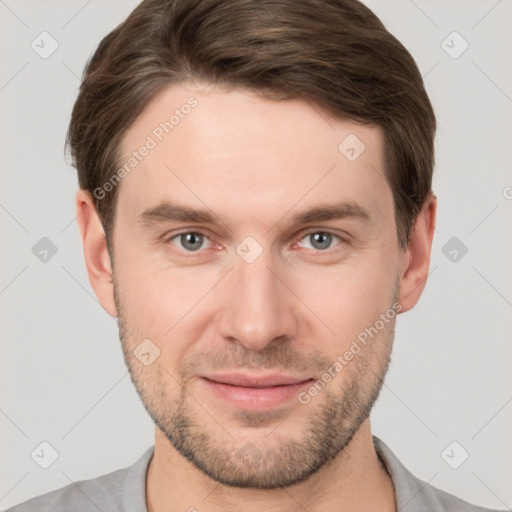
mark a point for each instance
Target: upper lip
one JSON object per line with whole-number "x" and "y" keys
{"x": 255, "y": 381}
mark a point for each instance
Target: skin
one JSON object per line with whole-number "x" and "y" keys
{"x": 254, "y": 164}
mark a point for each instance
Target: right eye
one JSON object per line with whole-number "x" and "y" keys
{"x": 190, "y": 241}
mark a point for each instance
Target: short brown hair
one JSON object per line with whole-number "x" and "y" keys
{"x": 334, "y": 53}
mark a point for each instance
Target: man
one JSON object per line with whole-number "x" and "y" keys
{"x": 291, "y": 146}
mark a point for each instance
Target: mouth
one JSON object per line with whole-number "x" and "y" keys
{"x": 255, "y": 392}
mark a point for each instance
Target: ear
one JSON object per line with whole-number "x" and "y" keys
{"x": 97, "y": 258}
{"x": 416, "y": 258}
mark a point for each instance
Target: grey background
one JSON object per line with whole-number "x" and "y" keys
{"x": 63, "y": 379}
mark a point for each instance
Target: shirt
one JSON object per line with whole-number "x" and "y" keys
{"x": 124, "y": 490}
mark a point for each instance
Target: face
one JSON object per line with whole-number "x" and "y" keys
{"x": 256, "y": 274}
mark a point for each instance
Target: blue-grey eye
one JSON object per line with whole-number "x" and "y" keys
{"x": 320, "y": 240}
{"x": 191, "y": 241}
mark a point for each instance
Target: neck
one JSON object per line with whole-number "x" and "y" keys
{"x": 354, "y": 480}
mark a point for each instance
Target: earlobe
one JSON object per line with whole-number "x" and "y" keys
{"x": 416, "y": 258}
{"x": 97, "y": 258}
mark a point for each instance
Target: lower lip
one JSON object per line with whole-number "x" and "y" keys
{"x": 257, "y": 398}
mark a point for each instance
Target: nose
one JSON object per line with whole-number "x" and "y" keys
{"x": 258, "y": 307}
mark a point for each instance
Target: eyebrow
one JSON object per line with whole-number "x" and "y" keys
{"x": 173, "y": 212}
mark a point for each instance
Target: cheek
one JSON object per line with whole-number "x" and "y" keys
{"x": 166, "y": 304}
{"x": 156, "y": 289}
{"x": 348, "y": 299}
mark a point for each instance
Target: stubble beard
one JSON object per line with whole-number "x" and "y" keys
{"x": 269, "y": 462}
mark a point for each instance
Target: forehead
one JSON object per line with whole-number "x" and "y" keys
{"x": 238, "y": 153}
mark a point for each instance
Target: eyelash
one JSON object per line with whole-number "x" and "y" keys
{"x": 303, "y": 235}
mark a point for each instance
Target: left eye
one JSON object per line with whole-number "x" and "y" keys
{"x": 320, "y": 240}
